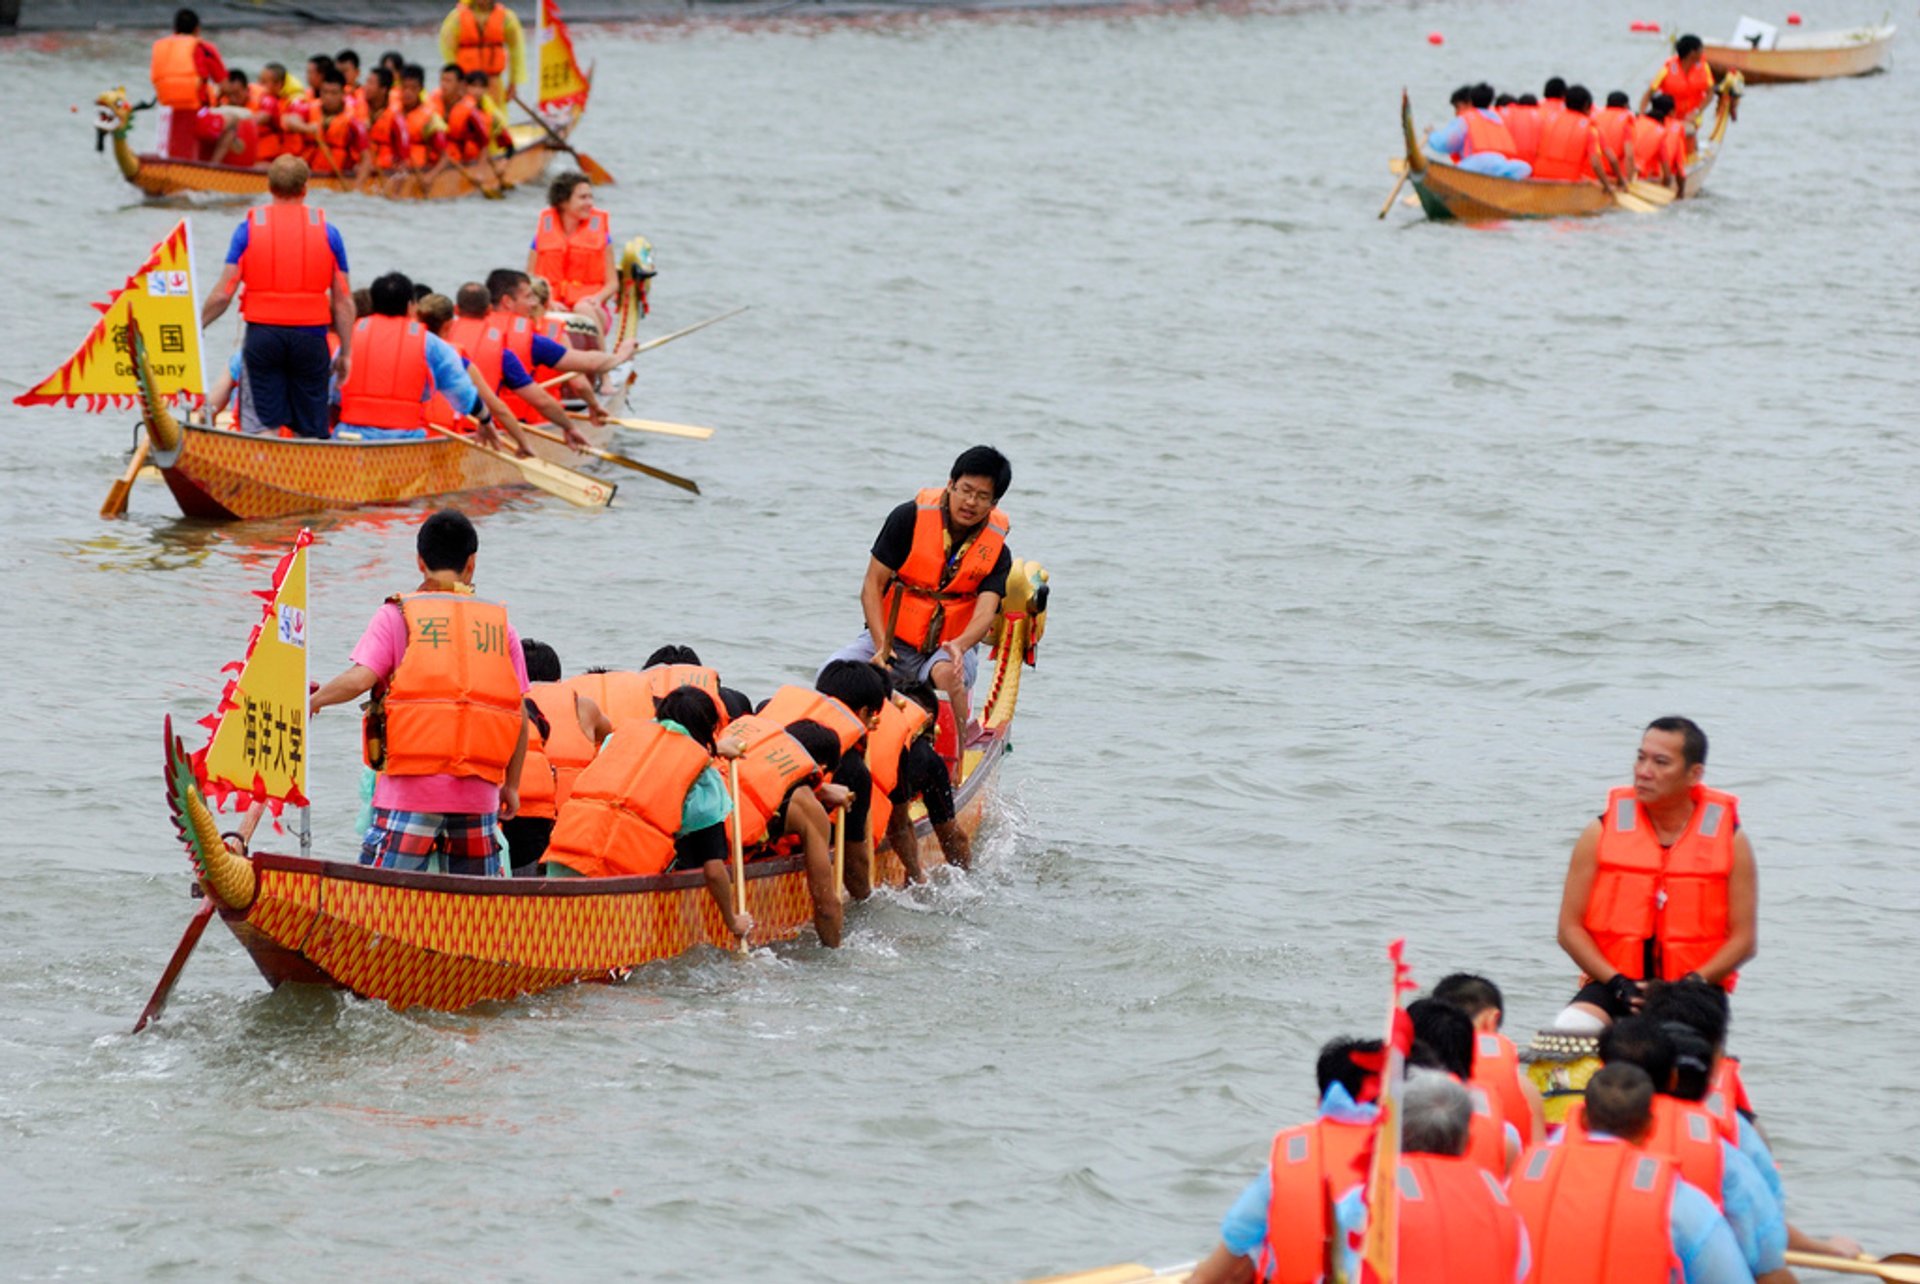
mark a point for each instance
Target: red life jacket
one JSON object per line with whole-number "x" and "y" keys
{"x": 1649, "y": 139}
{"x": 176, "y": 73}
{"x": 1675, "y": 898}
{"x": 469, "y": 130}
{"x": 1682, "y": 1131}
{"x": 575, "y": 265}
{"x": 772, "y": 763}
{"x": 937, "y": 593}
{"x": 1486, "y": 1133}
{"x": 344, "y": 141}
{"x": 1727, "y": 1097}
{"x": 1456, "y": 1224}
{"x": 1596, "y": 1212}
{"x": 270, "y": 138}
{"x": 387, "y": 134}
{"x": 1308, "y": 1167}
{"x": 465, "y": 332}
{"x": 1566, "y": 145}
{"x": 481, "y": 48}
{"x": 568, "y": 748}
{"x": 1487, "y": 133}
{"x": 517, "y": 336}
{"x": 452, "y": 704}
{"x": 1523, "y": 125}
{"x": 1496, "y": 1070}
{"x": 416, "y": 122}
{"x": 287, "y": 269}
{"x": 626, "y": 805}
{"x": 387, "y": 383}
{"x": 1611, "y": 125}
{"x": 485, "y": 355}
{"x": 1690, "y": 89}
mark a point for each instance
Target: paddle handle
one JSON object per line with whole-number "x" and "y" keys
{"x": 840, "y": 852}
{"x": 1398, "y": 183}
{"x": 739, "y": 850}
{"x": 1896, "y": 1271}
{"x": 116, "y": 501}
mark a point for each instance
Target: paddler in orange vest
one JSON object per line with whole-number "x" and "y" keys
{"x": 1496, "y": 1062}
{"x": 270, "y": 99}
{"x": 906, "y": 766}
{"x": 1280, "y": 1229}
{"x": 564, "y": 732}
{"x": 785, "y": 801}
{"x": 1611, "y": 125}
{"x": 426, "y": 154}
{"x": 1656, "y": 149}
{"x": 473, "y": 130}
{"x": 1479, "y": 140}
{"x": 573, "y": 249}
{"x": 401, "y": 365}
{"x": 1661, "y": 886}
{"x": 934, "y": 582}
{"x": 387, "y": 142}
{"x": 846, "y": 699}
{"x": 652, "y": 802}
{"x": 1522, "y": 117}
{"x": 482, "y": 35}
{"x": 1553, "y": 99}
{"x": 435, "y": 311}
{"x": 1686, "y": 78}
{"x": 1599, "y": 1209}
{"x": 513, "y": 316}
{"x": 1569, "y": 150}
{"x": 290, "y": 267}
{"x": 447, "y": 730}
{"x": 1453, "y": 1222}
{"x": 1443, "y": 1041}
{"x": 338, "y": 142}
{"x": 187, "y": 74}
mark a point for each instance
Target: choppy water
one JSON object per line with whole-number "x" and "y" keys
{"x": 1374, "y": 544}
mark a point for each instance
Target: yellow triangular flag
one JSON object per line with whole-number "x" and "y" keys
{"x": 259, "y": 746}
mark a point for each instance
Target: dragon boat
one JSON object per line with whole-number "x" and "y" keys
{"x": 1448, "y": 192}
{"x": 220, "y": 474}
{"x": 446, "y": 942}
{"x": 159, "y": 176}
{"x": 1813, "y": 55}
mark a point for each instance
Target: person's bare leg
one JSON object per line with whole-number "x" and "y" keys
{"x": 954, "y": 844}
{"x": 720, "y": 887}
{"x": 905, "y": 843}
{"x": 807, "y": 818}
{"x": 859, "y": 869}
{"x": 951, "y": 679}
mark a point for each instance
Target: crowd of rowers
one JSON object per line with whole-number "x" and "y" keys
{"x": 482, "y": 749}
{"x": 338, "y": 118}
{"x": 1661, "y": 1173}
{"x": 1562, "y": 136}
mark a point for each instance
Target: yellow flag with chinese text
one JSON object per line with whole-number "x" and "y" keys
{"x": 563, "y": 86}
{"x": 259, "y": 746}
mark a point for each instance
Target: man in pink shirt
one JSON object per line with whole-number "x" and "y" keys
{"x": 447, "y": 729}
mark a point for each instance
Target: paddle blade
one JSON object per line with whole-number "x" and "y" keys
{"x": 116, "y": 501}
{"x": 576, "y": 488}
{"x": 594, "y": 170}
{"x": 665, "y": 430}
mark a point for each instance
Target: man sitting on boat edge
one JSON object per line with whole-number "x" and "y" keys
{"x": 446, "y": 729}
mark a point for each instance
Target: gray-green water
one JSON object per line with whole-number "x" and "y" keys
{"x": 1374, "y": 545}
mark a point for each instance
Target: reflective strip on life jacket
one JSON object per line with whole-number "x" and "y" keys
{"x": 575, "y": 265}
{"x": 1496, "y": 1069}
{"x": 387, "y": 383}
{"x": 936, "y": 591}
{"x": 1596, "y": 1212}
{"x": 286, "y": 271}
{"x": 176, "y": 73}
{"x": 1676, "y": 897}
{"x": 452, "y": 704}
{"x": 626, "y": 805}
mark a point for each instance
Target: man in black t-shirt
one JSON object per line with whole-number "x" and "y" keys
{"x": 935, "y": 579}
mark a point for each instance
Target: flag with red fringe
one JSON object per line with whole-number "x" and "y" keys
{"x": 563, "y": 86}
{"x": 258, "y": 750}
{"x": 1379, "y": 1245}
{"x": 160, "y": 297}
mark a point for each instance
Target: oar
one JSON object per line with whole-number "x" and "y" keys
{"x": 697, "y": 325}
{"x": 1126, "y": 1273}
{"x": 654, "y": 425}
{"x": 188, "y": 939}
{"x": 1399, "y": 166}
{"x": 1901, "y": 1268}
{"x": 661, "y": 474}
{"x": 575, "y": 488}
{"x": 1651, "y": 192}
{"x": 840, "y": 852}
{"x": 1628, "y": 201}
{"x": 116, "y": 505}
{"x": 595, "y": 172}
{"x": 739, "y": 852}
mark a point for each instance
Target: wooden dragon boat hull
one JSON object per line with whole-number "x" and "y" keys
{"x": 446, "y": 942}
{"x": 1817, "y": 55}
{"x": 220, "y": 475}
{"x": 1447, "y": 192}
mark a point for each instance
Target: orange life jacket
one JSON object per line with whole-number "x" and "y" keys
{"x": 416, "y": 122}
{"x": 1596, "y": 1213}
{"x": 1308, "y": 1168}
{"x": 537, "y": 785}
{"x": 772, "y": 763}
{"x": 574, "y": 265}
{"x": 465, "y": 332}
{"x": 1682, "y": 1131}
{"x": 626, "y": 805}
{"x": 891, "y": 735}
{"x": 1488, "y": 133}
{"x": 791, "y": 703}
{"x": 387, "y": 134}
{"x": 664, "y": 679}
{"x": 1523, "y": 125}
{"x": 937, "y": 592}
{"x": 517, "y": 335}
{"x": 485, "y": 354}
{"x": 270, "y": 138}
{"x": 1566, "y": 145}
{"x": 469, "y": 130}
{"x": 1649, "y": 139}
{"x": 1611, "y": 125}
{"x": 568, "y": 748}
{"x": 1486, "y": 1133}
{"x": 1549, "y": 108}
{"x": 287, "y": 268}
{"x": 1727, "y": 1096}
{"x": 344, "y": 141}
{"x": 623, "y": 695}
{"x": 1675, "y": 898}
{"x": 1496, "y": 1070}
{"x": 482, "y": 48}
{"x": 387, "y": 383}
{"x": 1456, "y": 1223}
{"x": 452, "y": 705}
{"x": 176, "y": 73}
{"x": 1690, "y": 89}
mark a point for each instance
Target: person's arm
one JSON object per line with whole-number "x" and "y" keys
{"x": 352, "y": 683}
{"x": 1743, "y": 913}
{"x": 556, "y": 414}
{"x": 448, "y": 371}
{"x": 510, "y": 787}
{"x": 1450, "y": 137}
{"x": 342, "y": 322}
{"x": 504, "y": 419}
{"x": 1702, "y": 1240}
{"x": 220, "y": 296}
{"x": 984, "y": 612}
{"x": 220, "y": 394}
{"x": 1573, "y": 935}
{"x": 579, "y": 361}
{"x": 873, "y": 592}
{"x": 592, "y": 721}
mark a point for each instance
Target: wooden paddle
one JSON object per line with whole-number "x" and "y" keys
{"x": 655, "y": 426}
{"x": 1651, "y": 192}
{"x": 188, "y": 939}
{"x": 1125, "y": 1273}
{"x": 659, "y": 474}
{"x": 739, "y": 852}
{"x": 840, "y": 852}
{"x": 1398, "y": 183}
{"x": 595, "y": 172}
{"x": 1628, "y": 201}
{"x": 575, "y": 488}
{"x": 562, "y": 377}
{"x": 1901, "y": 1268}
{"x": 116, "y": 503}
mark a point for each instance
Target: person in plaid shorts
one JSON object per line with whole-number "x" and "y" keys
{"x": 447, "y": 730}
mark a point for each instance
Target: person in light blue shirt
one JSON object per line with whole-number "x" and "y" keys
{"x": 1468, "y": 134}
{"x": 393, "y": 297}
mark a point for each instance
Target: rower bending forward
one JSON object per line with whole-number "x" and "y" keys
{"x": 1661, "y": 886}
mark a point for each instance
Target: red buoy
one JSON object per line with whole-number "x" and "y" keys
{"x": 1435, "y": 38}
{"x": 1641, "y": 24}
{"x": 1793, "y": 20}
